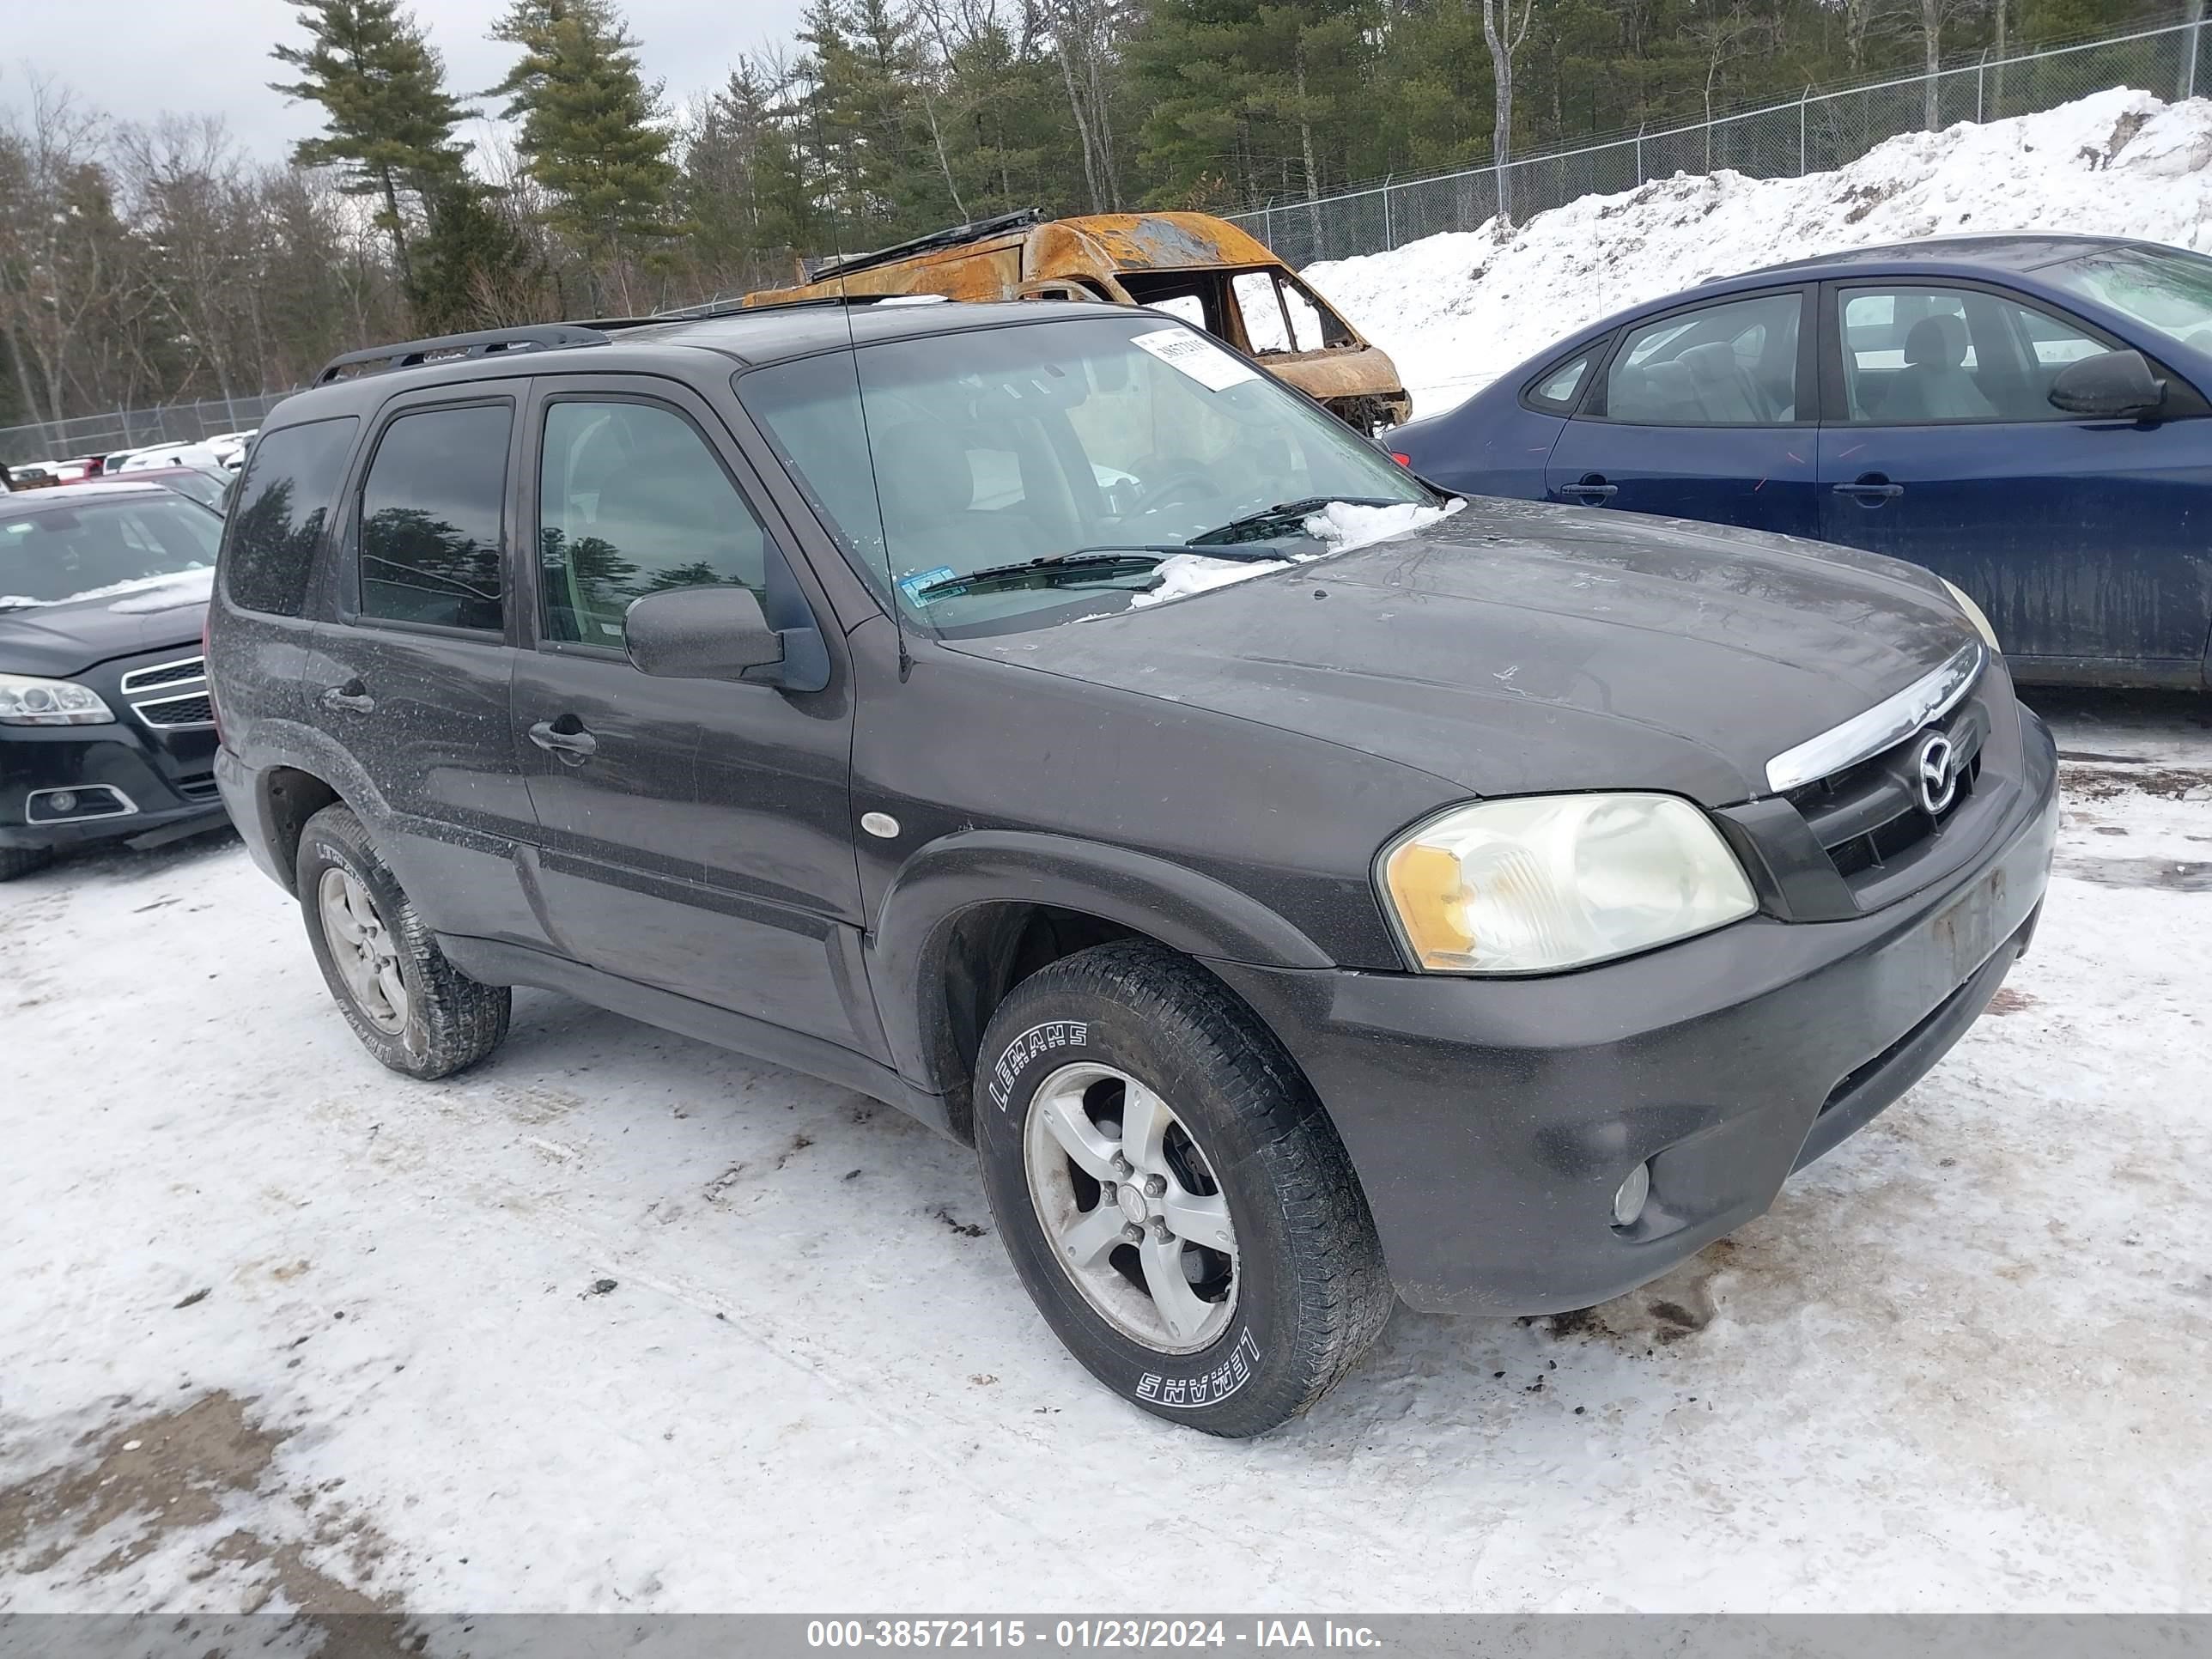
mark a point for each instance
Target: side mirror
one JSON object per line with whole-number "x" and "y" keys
{"x": 2111, "y": 385}
{"x": 700, "y": 633}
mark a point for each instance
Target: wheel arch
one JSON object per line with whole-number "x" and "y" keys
{"x": 971, "y": 916}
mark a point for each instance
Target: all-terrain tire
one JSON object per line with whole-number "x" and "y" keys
{"x": 1311, "y": 1292}
{"x": 451, "y": 1020}
{"x": 21, "y": 861}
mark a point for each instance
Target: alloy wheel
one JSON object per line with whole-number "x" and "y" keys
{"x": 362, "y": 947}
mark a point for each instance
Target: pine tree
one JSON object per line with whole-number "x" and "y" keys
{"x": 591, "y": 130}
{"x": 388, "y": 119}
{"x": 476, "y": 269}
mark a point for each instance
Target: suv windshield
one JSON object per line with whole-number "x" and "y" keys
{"x": 88, "y": 549}
{"x": 995, "y": 447}
{"x": 2164, "y": 288}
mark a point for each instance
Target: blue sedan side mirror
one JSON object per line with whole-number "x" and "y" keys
{"x": 2111, "y": 385}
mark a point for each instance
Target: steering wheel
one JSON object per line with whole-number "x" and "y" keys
{"x": 1184, "y": 481}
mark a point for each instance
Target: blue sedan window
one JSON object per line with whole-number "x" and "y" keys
{"x": 1914, "y": 355}
{"x": 1733, "y": 364}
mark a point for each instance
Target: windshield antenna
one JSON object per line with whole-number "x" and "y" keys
{"x": 860, "y": 402}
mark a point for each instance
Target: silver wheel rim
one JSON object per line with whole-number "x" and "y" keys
{"x": 1130, "y": 1205}
{"x": 361, "y": 946}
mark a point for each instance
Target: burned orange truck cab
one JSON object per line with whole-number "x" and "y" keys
{"x": 1200, "y": 268}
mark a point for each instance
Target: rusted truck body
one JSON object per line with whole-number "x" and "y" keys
{"x": 1200, "y": 268}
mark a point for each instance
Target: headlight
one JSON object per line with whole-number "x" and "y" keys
{"x": 1546, "y": 882}
{"x": 1973, "y": 614}
{"x": 27, "y": 701}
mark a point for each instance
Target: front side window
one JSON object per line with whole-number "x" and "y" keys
{"x": 632, "y": 501}
{"x": 283, "y": 498}
{"x": 991, "y": 448}
{"x": 1726, "y": 365}
{"x": 1278, "y": 315}
{"x": 1914, "y": 355}
{"x": 431, "y": 514}
{"x": 50, "y": 555}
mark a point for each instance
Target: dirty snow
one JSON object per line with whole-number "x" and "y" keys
{"x": 1339, "y": 527}
{"x": 619, "y": 1321}
{"x": 139, "y": 594}
{"x": 1457, "y": 310}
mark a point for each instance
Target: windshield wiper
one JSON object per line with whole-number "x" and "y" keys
{"x": 1270, "y": 523}
{"x": 1139, "y": 557}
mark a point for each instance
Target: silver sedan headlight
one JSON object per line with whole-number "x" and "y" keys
{"x": 1541, "y": 883}
{"x": 27, "y": 701}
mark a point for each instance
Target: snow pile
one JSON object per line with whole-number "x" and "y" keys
{"x": 1339, "y": 527}
{"x": 1455, "y": 310}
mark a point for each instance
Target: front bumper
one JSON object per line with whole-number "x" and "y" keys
{"x": 1491, "y": 1122}
{"x": 167, "y": 784}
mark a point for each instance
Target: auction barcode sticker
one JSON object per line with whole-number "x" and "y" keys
{"x": 1196, "y": 356}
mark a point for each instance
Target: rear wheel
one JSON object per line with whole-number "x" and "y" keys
{"x": 411, "y": 1008}
{"x": 1175, "y": 1199}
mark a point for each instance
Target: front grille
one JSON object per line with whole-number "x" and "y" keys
{"x": 169, "y": 714}
{"x": 1869, "y": 815}
{"x": 183, "y": 670}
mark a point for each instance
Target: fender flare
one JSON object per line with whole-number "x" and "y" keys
{"x": 909, "y": 947}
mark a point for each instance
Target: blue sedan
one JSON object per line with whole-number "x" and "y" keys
{"x": 2023, "y": 415}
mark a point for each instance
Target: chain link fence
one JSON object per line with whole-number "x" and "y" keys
{"x": 1815, "y": 133}
{"x": 133, "y": 428}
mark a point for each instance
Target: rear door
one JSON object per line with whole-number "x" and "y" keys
{"x": 411, "y": 676}
{"x": 2084, "y": 541}
{"x": 695, "y": 834}
{"x": 1707, "y": 412}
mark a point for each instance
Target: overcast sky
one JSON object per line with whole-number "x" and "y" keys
{"x": 136, "y": 57}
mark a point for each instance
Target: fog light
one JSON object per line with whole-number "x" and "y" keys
{"x": 1628, "y": 1202}
{"x": 63, "y": 801}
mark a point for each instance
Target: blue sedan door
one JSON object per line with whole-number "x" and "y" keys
{"x": 2087, "y": 542}
{"x": 1706, "y": 412}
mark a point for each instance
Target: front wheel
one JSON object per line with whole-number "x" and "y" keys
{"x": 1174, "y": 1197}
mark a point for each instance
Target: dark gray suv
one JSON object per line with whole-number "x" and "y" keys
{"x": 1300, "y": 887}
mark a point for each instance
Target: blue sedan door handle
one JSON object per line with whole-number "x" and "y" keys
{"x": 1590, "y": 489}
{"x": 1870, "y": 490}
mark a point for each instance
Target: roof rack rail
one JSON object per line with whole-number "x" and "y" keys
{"x": 485, "y": 342}
{"x": 951, "y": 236}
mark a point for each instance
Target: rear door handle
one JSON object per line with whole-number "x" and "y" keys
{"x": 352, "y": 697}
{"x": 566, "y": 739}
{"x": 1591, "y": 489}
{"x": 1872, "y": 490}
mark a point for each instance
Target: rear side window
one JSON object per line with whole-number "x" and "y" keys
{"x": 1558, "y": 390}
{"x": 431, "y": 515}
{"x": 282, "y": 503}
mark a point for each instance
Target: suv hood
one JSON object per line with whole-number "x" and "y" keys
{"x": 1518, "y": 648}
{"x": 57, "y": 640}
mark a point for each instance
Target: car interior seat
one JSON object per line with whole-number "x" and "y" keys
{"x": 1934, "y": 386}
{"x": 930, "y": 517}
{"x": 1725, "y": 391}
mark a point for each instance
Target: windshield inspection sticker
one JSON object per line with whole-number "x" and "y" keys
{"x": 1196, "y": 356}
{"x": 912, "y": 586}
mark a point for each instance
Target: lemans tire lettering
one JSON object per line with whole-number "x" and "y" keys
{"x": 1208, "y": 1387}
{"x": 1053, "y": 1034}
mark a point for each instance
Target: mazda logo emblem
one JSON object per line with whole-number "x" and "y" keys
{"x": 1937, "y": 784}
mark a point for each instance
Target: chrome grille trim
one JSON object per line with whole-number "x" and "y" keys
{"x": 165, "y": 674}
{"x": 198, "y": 711}
{"x": 1888, "y": 722}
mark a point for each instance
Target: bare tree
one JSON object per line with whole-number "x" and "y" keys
{"x": 60, "y": 247}
{"x": 1504, "y": 37}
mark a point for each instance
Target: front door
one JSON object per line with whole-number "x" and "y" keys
{"x": 2083, "y": 541}
{"x": 1701, "y": 413}
{"x": 410, "y": 676}
{"x": 695, "y": 834}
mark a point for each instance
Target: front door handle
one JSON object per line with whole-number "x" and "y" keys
{"x": 566, "y": 739}
{"x": 1870, "y": 490}
{"x": 353, "y": 697}
{"x": 1590, "y": 489}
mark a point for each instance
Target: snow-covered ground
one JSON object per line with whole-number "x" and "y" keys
{"x": 1457, "y": 310}
{"x": 621, "y": 1322}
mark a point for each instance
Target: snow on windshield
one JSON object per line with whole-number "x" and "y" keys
{"x": 1339, "y": 527}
